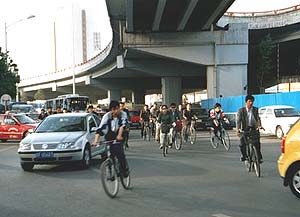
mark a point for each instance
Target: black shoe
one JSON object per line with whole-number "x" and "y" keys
{"x": 243, "y": 158}
{"x": 261, "y": 161}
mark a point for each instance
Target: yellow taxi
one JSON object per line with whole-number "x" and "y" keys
{"x": 289, "y": 161}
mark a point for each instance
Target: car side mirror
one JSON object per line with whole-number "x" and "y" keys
{"x": 94, "y": 129}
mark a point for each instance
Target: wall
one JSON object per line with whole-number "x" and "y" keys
{"x": 232, "y": 104}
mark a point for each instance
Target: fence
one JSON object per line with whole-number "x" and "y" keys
{"x": 232, "y": 104}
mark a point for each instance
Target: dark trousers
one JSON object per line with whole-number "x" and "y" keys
{"x": 255, "y": 137}
{"x": 117, "y": 150}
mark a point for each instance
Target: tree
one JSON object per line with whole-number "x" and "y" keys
{"x": 265, "y": 49}
{"x": 39, "y": 95}
{"x": 8, "y": 75}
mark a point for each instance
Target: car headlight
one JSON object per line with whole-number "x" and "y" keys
{"x": 67, "y": 145}
{"x": 24, "y": 147}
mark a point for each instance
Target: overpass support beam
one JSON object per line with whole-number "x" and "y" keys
{"x": 226, "y": 80}
{"x": 114, "y": 94}
{"x": 171, "y": 90}
{"x": 138, "y": 96}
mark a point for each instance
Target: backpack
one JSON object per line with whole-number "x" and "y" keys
{"x": 110, "y": 134}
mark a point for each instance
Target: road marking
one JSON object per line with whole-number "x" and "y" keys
{"x": 220, "y": 215}
{"x": 6, "y": 149}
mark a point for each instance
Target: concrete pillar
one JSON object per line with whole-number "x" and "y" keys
{"x": 114, "y": 94}
{"x": 226, "y": 80}
{"x": 211, "y": 77}
{"x": 138, "y": 96}
{"x": 171, "y": 90}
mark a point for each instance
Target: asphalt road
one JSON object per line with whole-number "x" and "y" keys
{"x": 195, "y": 181}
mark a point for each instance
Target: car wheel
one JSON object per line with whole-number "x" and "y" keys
{"x": 86, "y": 158}
{"x": 3, "y": 140}
{"x": 279, "y": 132}
{"x": 27, "y": 166}
{"x": 294, "y": 180}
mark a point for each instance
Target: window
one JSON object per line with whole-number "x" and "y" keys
{"x": 9, "y": 121}
{"x": 97, "y": 41}
{"x": 91, "y": 123}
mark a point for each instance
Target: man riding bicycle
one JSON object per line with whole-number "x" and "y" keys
{"x": 188, "y": 116}
{"x": 145, "y": 118}
{"x": 249, "y": 120}
{"x": 165, "y": 120}
{"x": 154, "y": 112}
{"x": 126, "y": 130}
{"x": 176, "y": 117}
{"x": 216, "y": 115}
{"x": 112, "y": 127}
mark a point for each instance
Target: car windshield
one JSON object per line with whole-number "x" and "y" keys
{"x": 286, "y": 112}
{"x": 21, "y": 108}
{"x": 62, "y": 124}
{"x": 200, "y": 112}
{"x": 134, "y": 113}
{"x": 23, "y": 119}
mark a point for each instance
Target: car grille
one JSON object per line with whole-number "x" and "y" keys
{"x": 39, "y": 146}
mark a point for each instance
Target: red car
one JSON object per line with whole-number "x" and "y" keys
{"x": 134, "y": 118}
{"x": 15, "y": 126}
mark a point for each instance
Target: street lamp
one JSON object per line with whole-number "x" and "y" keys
{"x": 6, "y": 26}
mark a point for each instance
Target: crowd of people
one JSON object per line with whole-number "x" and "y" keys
{"x": 164, "y": 119}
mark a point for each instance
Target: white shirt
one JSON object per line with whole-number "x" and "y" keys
{"x": 251, "y": 122}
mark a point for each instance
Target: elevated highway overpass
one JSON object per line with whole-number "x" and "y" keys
{"x": 162, "y": 47}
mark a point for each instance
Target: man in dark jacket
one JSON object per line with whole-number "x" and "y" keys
{"x": 165, "y": 119}
{"x": 248, "y": 120}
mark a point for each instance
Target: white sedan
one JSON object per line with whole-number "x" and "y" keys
{"x": 278, "y": 119}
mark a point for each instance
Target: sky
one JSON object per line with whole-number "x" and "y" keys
{"x": 30, "y": 42}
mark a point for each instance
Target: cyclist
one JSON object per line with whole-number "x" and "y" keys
{"x": 112, "y": 127}
{"x": 126, "y": 130}
{"x": 188, "y": 116}
{"x": 165, "y": 120}
{"x": 144, "y": 117}
{"x": 216, "y": 115}
{"x": 249, "y": 120}
{"x": 176, "y": 118}
{"x": 154, "y": 112}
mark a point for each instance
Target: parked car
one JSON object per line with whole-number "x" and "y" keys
{"x": 22, "y": 109}
{"x": 202, "y": 121}
{"x": 231, "y": 116}
{"x": 277, "y": 119}
{"x": 134, "y": 119}
{"x": 289, "y": 161}
{"x": 61, "y": 138}
{"x": 15, "y": 126}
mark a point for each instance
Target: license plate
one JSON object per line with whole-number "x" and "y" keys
{"x": 44, "y": 154}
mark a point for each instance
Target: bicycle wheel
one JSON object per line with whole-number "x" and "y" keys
{"x": 213, "y": 139}
{"x": 184, "y": 134}
{"x": 249, "y": 161}
{"x": 109, "y": 178}
{"x": 165, "y": 145}
{"x": 256, "y": 164}
{"x": 148, "y": 133}
{"x": 178, "y": 141}
{"x": 225, "y": 139}
{"x": 192, "y": 135}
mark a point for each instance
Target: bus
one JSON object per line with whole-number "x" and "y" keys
{"x": 72, "y": 102}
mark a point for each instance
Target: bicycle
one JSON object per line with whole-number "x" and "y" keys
{"x": 110, "y": 173}
{"x": 252, "y": 163}
{"x": 177, "y": 138}
{"x": 146, "y": 131}
{"x": 164, "y": 139}
{"x": 189, "y": 132}
{"x": 222, "y": 136}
